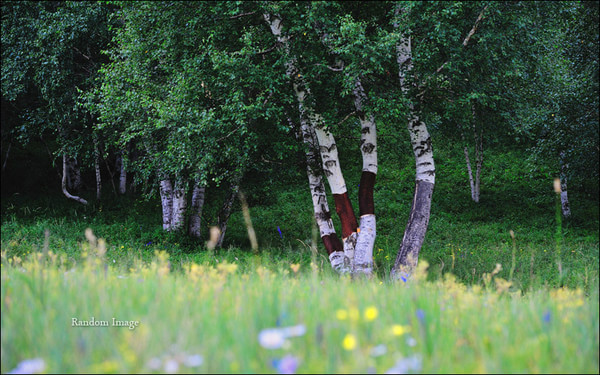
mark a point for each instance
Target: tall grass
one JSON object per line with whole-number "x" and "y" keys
{"x": 208, "y": 319}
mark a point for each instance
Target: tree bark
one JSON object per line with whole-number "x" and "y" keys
{"x": 564, "y": 198}
{"x": 64, "y": 183}
{"x": 418, "y": 221}
{"x": 122, "y": 173}
{"x": 6, "y": 156}
{"x": 179, "y": 204}
{"x": 478, "y": 155}
{"x": 470, "y": 172}
{"x": 73, "y": 175}
{"x": 327, "y": 145}
{"x": 332, "y": 243}
{"x": 166, "y": 199}
{"x": 226, "y": 209}
{"x": 97, "y": 168}
{"x": 197, "y": 204}
{"x": 363, "y": 256}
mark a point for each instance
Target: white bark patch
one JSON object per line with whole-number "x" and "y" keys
{"x": 179, "y": 205}
{"x": 349, "y": 244}
{"x": 421, "y": 143}
{"x": 196, "y": 206}
{"x": 64, "y": 184}
{"x": 329, "y": 156}
{"x": 363, "y": 256}
{"x": 368, "y": 137}
{"x": 564, "y": 199}
{"x": 320, "y": 206}
{"x": 339, "y": 262}
{"x": 166, "y": 198}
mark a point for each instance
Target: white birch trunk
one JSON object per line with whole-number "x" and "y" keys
{"x": 73, "y": 175}
{"x": 363, "y": 254}
{"x": 564, "y": 198}
{"x": 418, "y": 222}
{"x": 478, "y": 155}
{"x": 470, "y": 172}
{"x": 196, "y": 208}
{"x": 363, "y": 258}
{"x": 327, "y": 146}
{"x": 97, "y": 168}
{"x": 122, "y": 174}
{"x": 179, "y": 205}
{"x": 334, "y": 248}
{"x": 64, "y": 183}
{"x": 226, "y": 210}
{"x": 6, "y": 156}
{"x": 166, "y": 198}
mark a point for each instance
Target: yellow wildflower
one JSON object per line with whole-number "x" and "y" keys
{"x": 371, "y": 313}
{"x": 341, "y": 314}
{"x": 399, "y": 330}
{"x": 349, "y": 342}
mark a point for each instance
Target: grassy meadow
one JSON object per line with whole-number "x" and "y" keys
{"x": 483, "y": 300}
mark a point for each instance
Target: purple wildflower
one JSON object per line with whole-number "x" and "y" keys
{"x": 421, "y": 315}
{"x": 547, "y": 316}
{"x": 286, "y": 365}
{"x": 279, "y": 230}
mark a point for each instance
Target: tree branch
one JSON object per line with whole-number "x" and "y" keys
{"x": 241, "y": 15}
{"x": 474, "y": 29}
{"x": 469, "y": 35}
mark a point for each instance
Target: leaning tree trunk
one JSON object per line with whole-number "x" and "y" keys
{"x": 327, "y": 145}
{"x": 414, "y": 234}
{"x": 196, "y": 209}
{"x": 363, "y": 256}
{"x": 64, "y": 183}
{"x": 474, "y": 182}
{"x": 6, "y": 156}
{"x": 332, "y": 243}
{"x": 564, "y": 198}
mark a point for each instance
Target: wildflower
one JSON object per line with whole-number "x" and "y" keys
{"x": 410, "y": 364}
{"x": 378, "y": 351}
{"x": 194, "y": 360}
{"x": 30, "y": 366}
{"x": 410, "y": 341}
{"x": 421, "y": 315}
{"x": 371, "y": 313}
{"x": 171, "y": 366}
{"x": 341, "y": 314}
{"x": 271, "y": 339}
{"x": 349, "y": 342}
{"x": 279, "y": 230}
{"x": 154, "y": 363}
{"x": 286, "y": 365}
{"x": 275, "y": 338}
{"x": 295, "y": 267}
{"x": 399, "y": 330}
